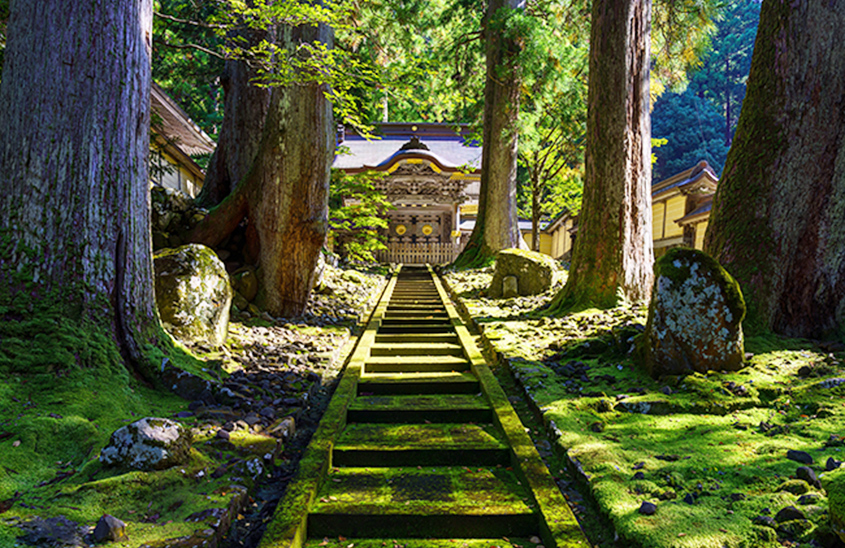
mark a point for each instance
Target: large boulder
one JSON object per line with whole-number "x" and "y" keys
{"x": 193, "y": 294}
{"x": 148, "y": 444}
{"x": 695, "y": 316}
{"x": 533, "y": 271}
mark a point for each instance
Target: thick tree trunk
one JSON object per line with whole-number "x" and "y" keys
{"x": 74, "y": 187}
{"x": 613, "y": 254}
{"x": 245, "y": 108}
{"x": 285, "y": 192}
{"x": 496, "y": 226}
{"x": 778, "y": 221}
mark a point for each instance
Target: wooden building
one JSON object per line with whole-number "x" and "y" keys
{"x": 432, "y": 177}
{"x": 680, "y": 207}
{"x": 174, "y": 139}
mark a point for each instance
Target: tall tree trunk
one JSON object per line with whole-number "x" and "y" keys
{"x": 613, "y": 252}
{"x": 285, "y": 192}
{"x": 74, "y": 186}
{"x": 536, "y": 208}
{"x": 245, "y": 108}
{"x": 778, "y": 221}
{"x": 496, "y": 226}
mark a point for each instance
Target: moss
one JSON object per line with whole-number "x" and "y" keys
{"x": 713, "y": 442}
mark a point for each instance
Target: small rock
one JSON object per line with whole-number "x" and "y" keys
{"x": 109, "y": 528}
{"x": 788, "y": 514}
{"x": 689, "y": 499}
{"x": 535, "y": 540}
{"x": 223, "y": 434}
{"x": 810, "y": 498}
{"x": 639, "y": 476}
{"x": 765, "y": 521}
{"x": 794, "y": 486}
{"x": 268, "y": 413}
{"x": 806, "y": 473}
{"x": 647, "y": 508}
{"x": 799, "y": 456}
{"x": 832, "y": 464}
{"x": 666, "y": 390}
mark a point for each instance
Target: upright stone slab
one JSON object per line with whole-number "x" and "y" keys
{"x": 695, "y": 316}
{"x": 534, "y": 272}
{"x": 193, "y": 294}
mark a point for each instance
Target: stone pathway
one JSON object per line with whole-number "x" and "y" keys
{"x": 419, "y": 445}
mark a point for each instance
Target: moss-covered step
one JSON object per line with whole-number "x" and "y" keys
{"x": 420, "y": 503}
{"x": 371, "y": 445}
{"x": 401, "y": 327}
{"x": 343, "y": 542}
{"x": 417, "y": 337}
{"x": 420, "y": 409}
{"x": 416, "y": 349}
{"x": 399, "y": 364}
{"x": 418, "y": 383}
{"x": 415, "y": 316}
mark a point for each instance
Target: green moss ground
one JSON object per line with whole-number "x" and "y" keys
{"x": 701, "y": 435}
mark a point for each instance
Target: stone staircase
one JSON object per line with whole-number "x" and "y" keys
{"x": 423, "y": 445}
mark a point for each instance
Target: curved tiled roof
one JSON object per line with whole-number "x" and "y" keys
{"x": 449, "y": 148}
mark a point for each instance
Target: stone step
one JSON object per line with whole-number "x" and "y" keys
{"x": 437, "y": 315}
{"x": 415, "y": 364}
{"x": 404, "y": 320}
{"x": 416, "y": 349}
{"x": 374, "y": 445}
{"x": 420, "y": 408}
{"x": 421, "y": 503}
{"x": 393, "y": 327}
{"x": 449, "y": 382}
{"x": 449, "y": 542}
{"x": 419, "y": 307}
{"x": 416, "y": 337}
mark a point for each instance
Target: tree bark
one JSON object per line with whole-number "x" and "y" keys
{"x": 497, "y": 223}
{"x": 245, "y": 108}
{"x": 285, "y": 193}
{"x": 613, "y": 254}
{"x": 778, "y": 221}
{"x": 74, "y": 144}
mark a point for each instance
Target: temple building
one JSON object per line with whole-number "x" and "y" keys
{"x": 680, "y": 208}
{"x": 432, "y": 176}
{"x": 174, "y": 140}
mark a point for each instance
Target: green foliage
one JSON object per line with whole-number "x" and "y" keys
{"x": 552, "y": 120}
{"x": 724, "y": 71}
{"x": 429, "y": 55}
{"x": 693, "y": 132}
{"x": 187, "y": 62}
{"x": 356, "y": 213}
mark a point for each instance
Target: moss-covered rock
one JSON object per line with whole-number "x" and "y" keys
{"x": 695, "y": 316}
{"x": 245, "y": 282}
{"x": 535, "y": 272}
{"x": 834, "y": 484}
{"x": 148, "y": 444}
{"x": 193, "y": 294}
